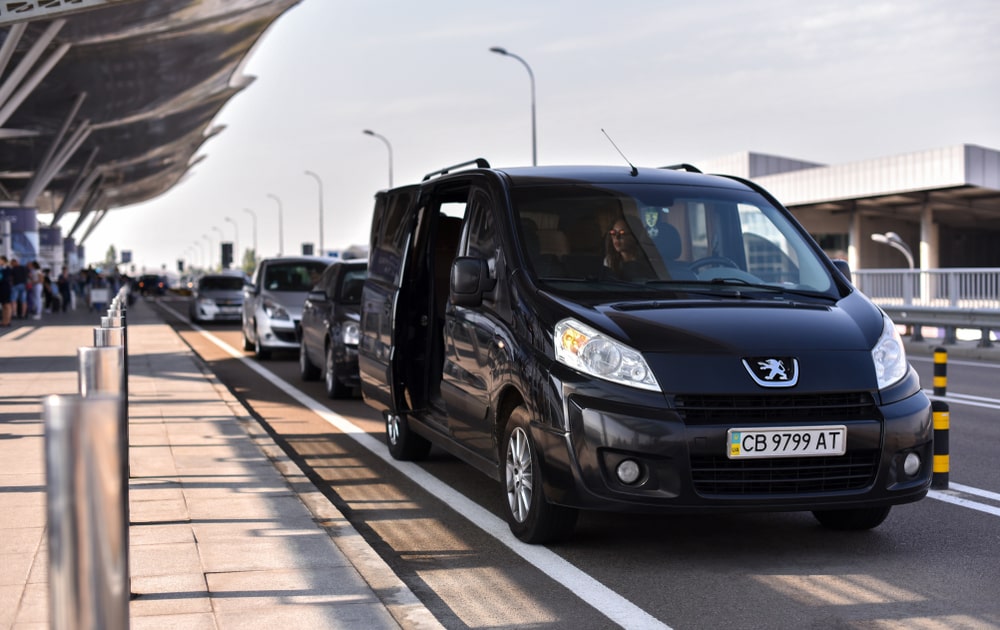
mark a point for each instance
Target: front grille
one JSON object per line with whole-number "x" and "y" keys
{"x": 714, "y": 475}
{"x": 287, "y": 336}
{"x": 776, "y": 408}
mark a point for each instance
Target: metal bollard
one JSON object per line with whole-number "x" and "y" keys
{"x": 942, "y": 461}
{"x": 88, "y": 566}
{"x": 940, "y": 371}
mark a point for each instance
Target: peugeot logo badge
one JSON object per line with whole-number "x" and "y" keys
{"x": 773, "y": 371}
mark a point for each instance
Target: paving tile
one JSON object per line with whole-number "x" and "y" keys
{"x": 164, "y": 559}
{"x": 265, "y": 553}
{"x": 169, "y": 595}
{"x": 260, "y": 589}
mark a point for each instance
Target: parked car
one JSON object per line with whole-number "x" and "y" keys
{"x": 272, "y": 302}
{"x": 634, "y": 339}
{"x": 328, "y": 335}
{"x": 217, "y": 297}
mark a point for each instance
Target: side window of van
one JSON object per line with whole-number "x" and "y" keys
{"x": 389, "y": 235}
{"x": 481, "y": 241}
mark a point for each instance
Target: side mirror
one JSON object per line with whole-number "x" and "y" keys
{"x": 469, "y": 278}
{"x": 843, "y": 268}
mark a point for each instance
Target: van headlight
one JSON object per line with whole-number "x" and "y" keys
{"x": 889, "y": 355}
{"x": 584, "y": 349}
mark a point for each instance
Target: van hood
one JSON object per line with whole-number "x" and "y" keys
{"x": 705, "y": 346}
{"x": 740, "y": 327}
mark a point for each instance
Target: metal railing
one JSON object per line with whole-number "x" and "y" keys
{"x": 960, "y": 298}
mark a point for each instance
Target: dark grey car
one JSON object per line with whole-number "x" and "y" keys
{"x": 328, "y": 344}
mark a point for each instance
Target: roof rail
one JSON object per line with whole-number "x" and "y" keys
{"x": 479, "y": 162}
{"x": 683, "y": 167}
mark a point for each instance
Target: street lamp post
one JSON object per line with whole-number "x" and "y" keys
{"x": 253, "y": 215}
{"x": 236, "y": 241}
{"x": 893, "y": 240}
{"x": 281, "y": 229}
{"x": 222, "y": 237}
{"x": 209, "y": 239}
{"x": 322, "y": 250}
{"x": 531, "y": 75}
{"x": 388, "y": 146}
{"x": 201, "y": 253}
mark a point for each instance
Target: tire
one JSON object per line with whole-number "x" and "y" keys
{"x": 334, "y": 388}
{"x": 529, "y": 515}
{"x": 852, "y": 520}
{"x": 404, "y": 444}
{"x": 307, "y": 369}
{"x": 259, "y": 351}
{"x": 247, "y": 344}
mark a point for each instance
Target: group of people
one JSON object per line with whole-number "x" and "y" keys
{"x": 26, "y": 291}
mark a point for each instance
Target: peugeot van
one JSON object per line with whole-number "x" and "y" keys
{"x": 634, "y": 339}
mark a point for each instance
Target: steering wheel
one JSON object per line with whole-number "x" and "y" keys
{"x": 713, "y": 261}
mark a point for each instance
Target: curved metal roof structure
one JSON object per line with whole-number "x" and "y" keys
{"x": 105, "y": 103}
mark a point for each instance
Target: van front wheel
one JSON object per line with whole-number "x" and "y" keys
{"x": 530, "y": 516}
{"x": 403, "y": 443}
{"x": 856, "y": 519}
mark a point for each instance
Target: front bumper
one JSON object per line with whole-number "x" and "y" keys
{"x": 680, "y": 444}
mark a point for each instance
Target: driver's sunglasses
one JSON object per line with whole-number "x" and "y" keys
{"x": 619, "y": 233}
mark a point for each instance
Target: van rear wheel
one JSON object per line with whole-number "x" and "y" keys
{"x": 403, "y": 443}
{"x": 856, "y": 519}
{"x": 530, "y": 516}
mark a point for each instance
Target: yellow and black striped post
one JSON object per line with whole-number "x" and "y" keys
{"x": 940, "y": 371}
{"x": 942, "y": 420}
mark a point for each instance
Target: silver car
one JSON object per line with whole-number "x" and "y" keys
{"x": 272, "y": 302}
{"x": 217, "y": 297}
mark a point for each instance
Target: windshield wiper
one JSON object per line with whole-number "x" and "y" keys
{"x": 738, "y": 284}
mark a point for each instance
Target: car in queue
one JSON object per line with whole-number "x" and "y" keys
{"x": 328, "y": 335}
{"x": 272, "y": 302}
{"x": 634, "y": 340}
{"x": 217, "y": 297}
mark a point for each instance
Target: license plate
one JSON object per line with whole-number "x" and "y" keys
{"x": 787, "y": 442}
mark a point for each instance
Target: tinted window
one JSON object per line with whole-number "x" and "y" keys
{"x": 390, "y": 229}
{"x": 292, "y": 276}
{"x": 220, "y": 283}
{"x": 350, "y": 288}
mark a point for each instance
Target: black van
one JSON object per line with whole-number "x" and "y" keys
{"x": 627, "y": 339}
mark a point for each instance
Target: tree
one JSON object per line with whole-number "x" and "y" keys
{"x": 111, "y": 258}
{"x": 249, "y": 260}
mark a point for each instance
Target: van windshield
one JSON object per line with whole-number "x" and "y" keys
{"x": 657, "y": 238}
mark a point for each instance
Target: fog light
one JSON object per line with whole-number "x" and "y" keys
{"x": 911, "y": 464}
{"x": 628, "y": 471}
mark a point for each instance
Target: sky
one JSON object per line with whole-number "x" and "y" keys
{"x": 669, "y": 81}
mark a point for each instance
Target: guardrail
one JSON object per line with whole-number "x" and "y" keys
{"x": 952, "y": 299}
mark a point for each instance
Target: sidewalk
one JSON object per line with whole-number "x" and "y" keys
{"x": 226, "y": 532}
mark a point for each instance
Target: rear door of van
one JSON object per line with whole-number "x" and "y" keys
{"x": 393, "y": 225}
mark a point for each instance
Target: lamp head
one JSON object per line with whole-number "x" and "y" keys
{"x": 499, "y": 50}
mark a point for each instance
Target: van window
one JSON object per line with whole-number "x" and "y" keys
{"x": 389, "y": 234}
{"x": 643, "y": 237}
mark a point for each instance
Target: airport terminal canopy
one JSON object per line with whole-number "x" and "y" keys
{"x": 105, "y": 103}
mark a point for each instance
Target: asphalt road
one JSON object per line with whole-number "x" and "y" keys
{"x": 932, "y": 564}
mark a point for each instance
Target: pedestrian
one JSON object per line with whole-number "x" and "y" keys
{"x": 6, "y": 290}
{"x": 65, "y": 289}
{"x": 19, "y": 288}
{"x": 50, "y": 294}
{"x": 37, "y": 281}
